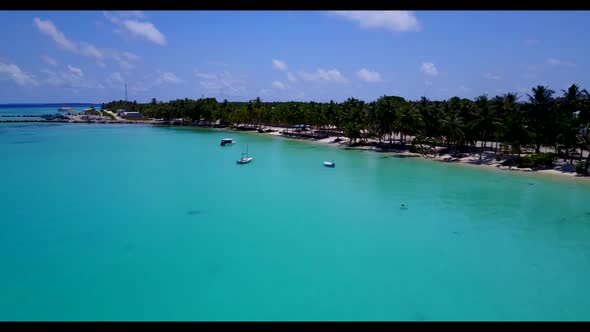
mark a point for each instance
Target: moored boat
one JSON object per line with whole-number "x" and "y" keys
{"x": 245, "y": 160}
{"x": 227, "y": 141}
{"x": 329, "y": 164}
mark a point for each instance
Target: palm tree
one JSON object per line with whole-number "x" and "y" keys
{"x": 513, "y": 130}
{"x": 584, "y": 143}
{"x": 430, "y": 117}
{"x": 486, "y": 120}
{"x": 541, "y": 103}
{"x": 386, "y": 112}
{"x": 452, "y": 126}
{"x": 568, "y": 124}
{"x": 408, "y": 121}
{"x": 353, "y": 111}
{"x": 573, "y": 97}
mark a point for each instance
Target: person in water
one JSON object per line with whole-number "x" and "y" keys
{"x": 403, "y": 206}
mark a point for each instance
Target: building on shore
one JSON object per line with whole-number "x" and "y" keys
{"x": 132, "y": 115}
{"x": 129, "y": 114}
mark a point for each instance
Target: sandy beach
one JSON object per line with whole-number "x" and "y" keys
{"x": 560, "y": 168}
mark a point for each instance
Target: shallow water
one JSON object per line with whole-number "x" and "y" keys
{"x": 128, "y": 222}
{"x": 32, "y": 110}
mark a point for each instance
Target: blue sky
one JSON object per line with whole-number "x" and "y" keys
{"x": 88, "y": 56}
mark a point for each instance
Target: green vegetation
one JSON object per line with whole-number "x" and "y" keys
{"x": 581, "y": 168}
{"x": 91, "y": 112}
{"x": 538, "y": 160}
{"x": 543, "y": 120}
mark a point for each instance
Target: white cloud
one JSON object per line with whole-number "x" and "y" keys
{"x": 223, "y": 83}
{"x": 279, "y": 65}
{"x": 125, "y": 59}
{"x": 145, "y": 30}
{"x": 429, "y": 69}
{"x": 122, "y": 14}
{"x": 490, "y": 76}
{"x": 48, "y": 28}
{"x": 428, "y": 83}
{"x": 71, "y": 78}
{"x": 49, "y": 60}
{"x": 101, "y": 64}
{"x": 332, "y": 75}
{"x": 369, "y": 76}
{"x": 14, "y": 73}
{"x": 531, "y": 42}
{"x": 114, "y": 19}
{"x": 279, "y": 85}
{"x": 131, "y": 13}
{"x": 291, "y": 77}
{"x": 76, "y": 70}
{"x": 392, "y": 20}
{"x": 90, "y": 50}
{"x": 130, "y": 56}
{"x": 115, "y": 79}
{"x": 167, "y": 77}
{"x": 557, "y": 62}
{"x": 147, "y": 82}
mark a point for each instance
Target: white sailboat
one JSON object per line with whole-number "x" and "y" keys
{"x": 245, "y": 160}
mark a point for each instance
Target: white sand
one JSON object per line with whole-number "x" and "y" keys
{"x": 488, "y": 157}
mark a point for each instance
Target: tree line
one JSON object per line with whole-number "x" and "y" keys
{"x": 544, "y": 118}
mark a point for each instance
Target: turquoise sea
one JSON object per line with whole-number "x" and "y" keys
{"x": 130, "y": 222}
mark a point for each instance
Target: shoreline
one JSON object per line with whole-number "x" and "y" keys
{"x": 561, "y": 169}
{"x": 488, "y": 157}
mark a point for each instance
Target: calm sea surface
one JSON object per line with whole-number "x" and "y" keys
{"x": 123, "y": 222}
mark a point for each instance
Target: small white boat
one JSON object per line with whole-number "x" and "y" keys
{"x": 329, "y": 164}
{"x": 245, "y": 160}
{"x": 227, "y": 141}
